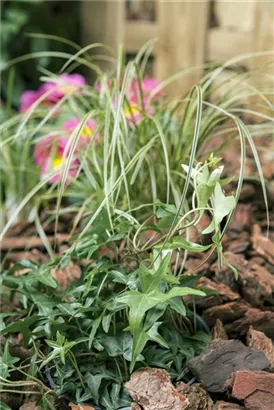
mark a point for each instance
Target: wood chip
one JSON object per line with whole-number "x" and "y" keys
{"x": 242, "y": 218}
{"x": 258, "y": 340}
{"x": 255, "y": 283}
{"x": 152, "y": 389}
{"x": 255, "y": 388}
{"x": 214, "y": 366}
{"x": 227, "y": 313}
{"x": 30, "y": 406}
{"x": 262, "y": 321}
{"x": 34, "y": 256}
{"x": 64, "y": 276}
{"x": 223, "y": 405}
{"x": 225, "y": 294}
{"x": 198, "y": 397}
{"x": 218, "y": 331}
{"x": 135, "y": 406}
{"x": 32, "y": 242}
{"x": 80, "y": 406}
{"x": 263, "y": 245}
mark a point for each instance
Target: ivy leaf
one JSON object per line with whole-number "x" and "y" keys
{"x": 151, "y": 279}
{"x": 139, "y": 303}
{"x": 178, "y": 243}
{"x": 5, "y": 361}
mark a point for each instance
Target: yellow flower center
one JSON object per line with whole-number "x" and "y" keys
{"x": 57, "y": 161}
{"x": 66, "y": 89}
{"x": 132, "y": 110}
{"x": 87, "y": 132}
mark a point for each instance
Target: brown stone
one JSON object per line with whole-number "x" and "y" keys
{"x": 255, "y": 388}
{"x": 152, "y": 389}
{"x": 258, "y": 340}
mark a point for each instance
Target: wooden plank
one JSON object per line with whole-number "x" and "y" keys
{"x": 224, "y": 44}
{"x": 263, "y": 40}
{"x": 237, "y": 15}
{"x": 182, "y": 27}
{"x": 103, "y": 22}
{"x": 137, "y": 33}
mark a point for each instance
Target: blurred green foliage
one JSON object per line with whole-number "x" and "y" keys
{"x": 20, "y": 17}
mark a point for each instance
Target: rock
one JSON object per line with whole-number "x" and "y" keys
{"x": 218, "y": 331}
{"x": 258, "y": 340}
{"x": 223, "y": 357}
{"x": 223, "y": 405}
{"x": 255, "y": 388}
{"x": 198, "y": 397}
{"x": 153, "y": 390}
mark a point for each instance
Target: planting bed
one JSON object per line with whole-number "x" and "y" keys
{"x": 234, "y": 372}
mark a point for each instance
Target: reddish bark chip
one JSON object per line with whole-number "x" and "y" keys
{"x": 258, "y": 340}
{"x": 153, "y": 390}
{"x": 224, "y": 294}
{"x": 255, "y": 388}
{"x": 226, "y": 313}
{"x": 262, "y": 245}
{"x": 242, "y": 218}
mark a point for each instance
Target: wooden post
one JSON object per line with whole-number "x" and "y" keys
{"x": 182, "y": 28}
{"x": 103, "y": 22}
{"x": 263, "y": 40}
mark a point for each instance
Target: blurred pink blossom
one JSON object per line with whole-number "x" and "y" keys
{"x": 66, "y": 83}
{"x": 87, "y": 133}
{"x": 52, "y": 91}
{"x": 149, "y": 85}
{"x": 28, "y": 98}
{"x": 50, "y": 155}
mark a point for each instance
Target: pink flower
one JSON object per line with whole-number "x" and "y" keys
{"x": 50, "y": 155}
{"x": 99, "y": 85}
{"x": 66, "y": 83}
{"x": 149, "y": 85}
{"x": 28, "y": 98}
{"x": 133, "y": 113}
{"x": 87, "y": 133}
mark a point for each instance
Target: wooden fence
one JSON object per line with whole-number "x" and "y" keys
{"x": 189, "y": 33}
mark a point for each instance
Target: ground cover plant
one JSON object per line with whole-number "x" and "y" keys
{"x": 135, "y": 175}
